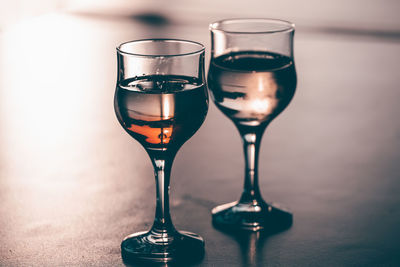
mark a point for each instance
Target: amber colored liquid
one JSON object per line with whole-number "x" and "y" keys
{"x": 161, "y": 111}
{"x": 252, "y": 88}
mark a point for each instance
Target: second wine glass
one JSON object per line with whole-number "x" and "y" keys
{"x": 252, "y": 79}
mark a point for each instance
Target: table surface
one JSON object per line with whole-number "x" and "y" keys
{"x": 73, "y": 183}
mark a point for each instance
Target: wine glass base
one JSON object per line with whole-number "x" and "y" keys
{"x": 250, "y": 217}
{"x": 184, "y": 247}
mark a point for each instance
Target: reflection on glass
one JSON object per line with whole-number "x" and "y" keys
{"x": 252, "y": 78}
{"x": 161, "y": 100}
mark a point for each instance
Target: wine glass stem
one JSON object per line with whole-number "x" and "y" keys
{"x": 251, "y": 145}
{"x": 162, "y": 223}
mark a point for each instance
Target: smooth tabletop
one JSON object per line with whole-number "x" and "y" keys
{"x": 73, "y": 183}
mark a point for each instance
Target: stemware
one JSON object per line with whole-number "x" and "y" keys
{"x": 161, "y": 100}
{"x": 252, "y": 79}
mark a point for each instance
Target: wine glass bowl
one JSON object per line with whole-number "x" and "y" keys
{"x": 252, "y": 79}
{"x": 161, "y": 100}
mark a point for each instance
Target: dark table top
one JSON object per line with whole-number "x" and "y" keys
{"x": 73, "y": 183}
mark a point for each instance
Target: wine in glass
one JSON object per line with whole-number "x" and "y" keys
{"x": 252, "y": 79}
{"x": 161, "y": 100}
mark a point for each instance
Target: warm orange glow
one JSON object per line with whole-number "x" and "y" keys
{"x": 154, "y": 135}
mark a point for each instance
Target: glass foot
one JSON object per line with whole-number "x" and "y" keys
{"x": 251, "y": 217}
{"x": 144, "y": 246}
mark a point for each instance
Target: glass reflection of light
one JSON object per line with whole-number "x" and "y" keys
{"x": 251, "y": 247}
{"x": 251, "y": 253}
{"x": 259, "y": 105}
{"x": 167, "y": 106}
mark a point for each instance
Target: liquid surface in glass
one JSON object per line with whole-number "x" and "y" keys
{"x": 252, "y": 87}
{"x": 161, "y": 111}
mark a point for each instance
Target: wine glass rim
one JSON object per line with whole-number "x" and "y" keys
{"x": 200, "y": 49}
{"x": 289, "y": 26}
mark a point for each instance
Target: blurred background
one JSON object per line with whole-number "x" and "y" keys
{"x": 73, "y": 183}
{"x": 370, "y": 15}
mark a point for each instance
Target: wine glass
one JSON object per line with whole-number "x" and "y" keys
{"x": 252, "y": 79}
{"x": 161, "y": 100}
